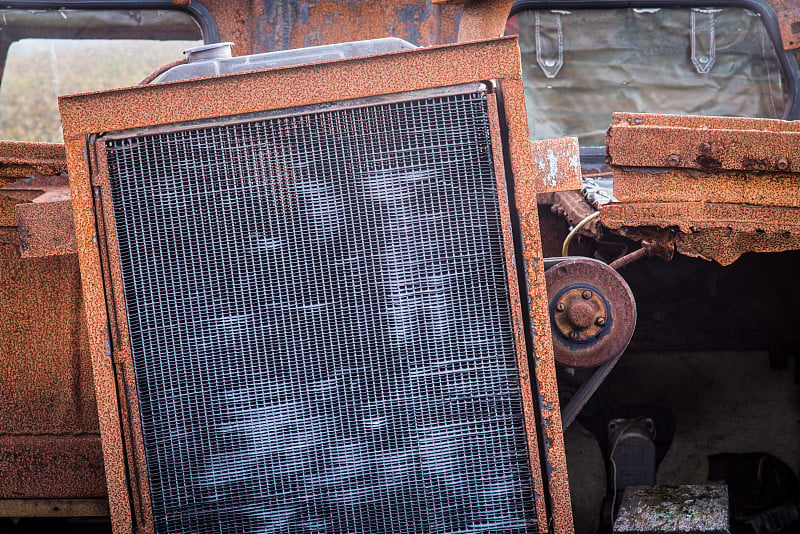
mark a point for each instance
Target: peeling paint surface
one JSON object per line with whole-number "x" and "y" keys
{"x": 558, "y": 164}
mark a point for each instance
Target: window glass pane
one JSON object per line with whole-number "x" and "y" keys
{"x": 580, "y": 66}
{"x": 62, "y": 52}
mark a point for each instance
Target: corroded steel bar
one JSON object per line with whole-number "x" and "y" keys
{"x": 705, "y": 143}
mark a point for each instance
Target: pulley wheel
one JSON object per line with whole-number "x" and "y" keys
{"x": 592, "y": 312}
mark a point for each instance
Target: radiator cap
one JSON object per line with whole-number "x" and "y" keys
{"x": 215, "y": 59}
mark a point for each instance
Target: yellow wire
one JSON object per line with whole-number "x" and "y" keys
{"x": 578, "y": 227}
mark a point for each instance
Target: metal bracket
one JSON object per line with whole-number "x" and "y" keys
{"x": 549, "y": 49}
{"x": 704, "y": 60}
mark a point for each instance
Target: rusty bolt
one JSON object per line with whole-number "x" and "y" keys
{"x": 560, "y": 307}
{"x": 600, "y": 321}
{"x": 782, "y": 164}
{"x": 673, "y": 160}
{"x": 705, "y": 146}
{"x": 573, "y": 335}
{"x": 587, "y": 294}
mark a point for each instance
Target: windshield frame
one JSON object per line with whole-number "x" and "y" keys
{"x": 201, "y": 15}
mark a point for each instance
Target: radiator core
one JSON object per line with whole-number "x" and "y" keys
{"x": 320, "y": 323}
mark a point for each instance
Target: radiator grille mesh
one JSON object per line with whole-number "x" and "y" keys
{"x": 320, "y": 324}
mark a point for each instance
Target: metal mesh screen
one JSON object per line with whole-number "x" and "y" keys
{"x": 320, "y": 323}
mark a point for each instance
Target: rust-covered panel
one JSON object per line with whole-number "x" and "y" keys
{"x": 280, "y": 25}
{"x": 726, "y": 185}
{"x": 45, "y": 228}
{"x": 45, "y": 376}
{"x": 49, "y": 434}
{"x": 18, "y": 160}
{"x": 84, "y": 115}
{"x": 68, "y": 466}
{"x": 557, "y": 164}
{"x": 689, "y": 216}
{"x": 481, "y": 19}
{"x": 718, "y": 232}
{"x": 40, "y": 208}
{"x": 688, "y": 185}
{"x": 706, "y": 143}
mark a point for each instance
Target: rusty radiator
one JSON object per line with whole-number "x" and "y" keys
{"x": 306, "y": 314}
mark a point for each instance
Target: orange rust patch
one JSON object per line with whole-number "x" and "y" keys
{"x": 719, "y": 232}
{"x": 725, "y": 247}
{"x": 271, "y": 26}
{"x": 685, "y": 185}
{"x": 706, "y": 143}
{"x": 46, "y": 229}
{"x": 18, "y": 159}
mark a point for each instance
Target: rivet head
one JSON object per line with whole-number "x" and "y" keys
{"x": 587, "y": 294}
{"x": 600, "y": 321}
{"x": 782, "y": 164}
{"x": 673, "y": 160}
{"x": 573, "y": 335}
{"x": 560, "y": 307}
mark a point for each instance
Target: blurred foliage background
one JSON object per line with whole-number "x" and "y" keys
{"x": 37, "y": 71}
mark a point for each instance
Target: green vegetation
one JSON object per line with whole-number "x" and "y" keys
{"x": 39, "y": 70}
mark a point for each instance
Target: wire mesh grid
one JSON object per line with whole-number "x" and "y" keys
{"x": 320, "y": 323}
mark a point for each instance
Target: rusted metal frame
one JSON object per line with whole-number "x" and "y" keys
{"x": 705, "y": 143}
{"x": 238, "y": 94}
{"x": 525, "y": 191}
{"x": 718, "y": 232}
{"x": 724, "y": 247}
{"x": 129, "y": 421}
{"x": 531, "y": 429}
{"x": 99, "y": 341}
